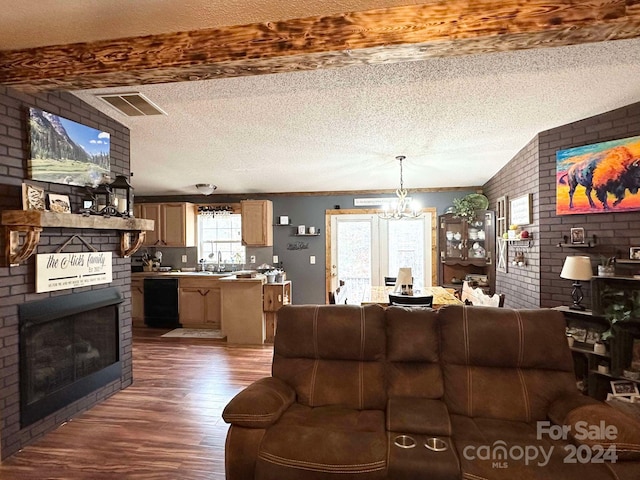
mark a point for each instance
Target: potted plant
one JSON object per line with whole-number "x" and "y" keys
{"x": 463, "y": 207}
{"x": 606, "y": 268}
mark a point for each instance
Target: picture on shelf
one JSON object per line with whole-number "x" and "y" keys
{"x": 59, "y": 203}
{"x": 577, "y": 236}
{"x": 592, "y": 178}
{"x": 33, "y": 197}
{"x": 634, "y": 253}
{"x": 624, "y": 388}
{"x": 578, "y": 334}
{"x": 593, "y": 337}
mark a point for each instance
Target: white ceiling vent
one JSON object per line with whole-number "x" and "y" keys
{"x": 132, "y": 104}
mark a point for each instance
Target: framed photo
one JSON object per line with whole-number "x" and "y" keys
{"x": 593, "y": 337}
{"x": 577, "y": 235}
{"x": 302, "y": 229}
{"x": 33, "y": 197}
{"x": 59, "y": 203}
{"x": 624, "y": 388}
{"x": 634, "y": 253}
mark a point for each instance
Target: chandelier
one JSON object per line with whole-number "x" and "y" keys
{"x": 401, "y": 207}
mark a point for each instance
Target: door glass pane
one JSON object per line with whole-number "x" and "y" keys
{"x": 406, "y": 248}
{"x": 354, "y": 257}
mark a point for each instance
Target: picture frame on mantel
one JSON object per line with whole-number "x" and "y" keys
{"x": 33, "y": 197}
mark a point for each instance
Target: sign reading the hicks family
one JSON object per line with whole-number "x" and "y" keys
{"x": 59, "y": 271}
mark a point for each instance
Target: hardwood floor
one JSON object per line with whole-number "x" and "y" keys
{"x": 166, "y": 426}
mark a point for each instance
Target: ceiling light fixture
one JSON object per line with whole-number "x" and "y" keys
{"x": 206, "y": 188}
{"x": 402, "y": 207}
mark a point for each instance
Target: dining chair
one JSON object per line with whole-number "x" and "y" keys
{"x": 411, "y": 301}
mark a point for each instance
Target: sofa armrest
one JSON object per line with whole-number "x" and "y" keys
{"x": 260, "y": 404}
{"x": 560, "y": 407}
{"x": 597, "y": 425}
{"x": 418, "y": 415}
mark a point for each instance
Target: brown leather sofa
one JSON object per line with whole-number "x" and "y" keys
{"x": 495, "y": 385}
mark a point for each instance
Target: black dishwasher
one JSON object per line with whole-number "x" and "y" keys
{"x": 161, "y": 302}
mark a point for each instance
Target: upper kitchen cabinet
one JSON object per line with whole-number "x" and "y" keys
{"x": 257, "y": 223}
{"x": 174, "y": 224}
{"x": 466, "y": 248}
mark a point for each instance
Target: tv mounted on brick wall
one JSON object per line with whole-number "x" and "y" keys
{"x": 64, "y": 151}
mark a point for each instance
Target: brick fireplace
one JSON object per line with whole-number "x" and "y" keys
{"x": 17, "y": 284}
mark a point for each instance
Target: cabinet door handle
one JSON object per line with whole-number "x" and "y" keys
{"x": 280, "y": 297}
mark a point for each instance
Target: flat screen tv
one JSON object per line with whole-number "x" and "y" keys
{"x": 63, "y": 151}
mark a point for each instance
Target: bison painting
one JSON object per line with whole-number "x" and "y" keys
{"x": 610, "y": 171}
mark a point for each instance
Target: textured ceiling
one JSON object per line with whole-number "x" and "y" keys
{"x": 458, "y": 120}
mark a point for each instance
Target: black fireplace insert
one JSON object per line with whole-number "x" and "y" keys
{"x": 69, "y": 347}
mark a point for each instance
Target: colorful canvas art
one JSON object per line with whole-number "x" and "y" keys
{"x": 599, "y": 178}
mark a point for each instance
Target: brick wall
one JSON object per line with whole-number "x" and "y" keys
{"x": 533, "y": 170}
{"x": 17, "y": 284}
{"x": 520, "y": 285}
{"x": 615, "y": 232}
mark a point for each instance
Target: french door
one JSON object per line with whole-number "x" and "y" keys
{"x": 363, "y": 249}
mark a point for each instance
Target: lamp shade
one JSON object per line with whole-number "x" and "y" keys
{"x": 577, "y": 268}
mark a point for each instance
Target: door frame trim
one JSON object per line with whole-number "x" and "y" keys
{"x": 374, "y": 211}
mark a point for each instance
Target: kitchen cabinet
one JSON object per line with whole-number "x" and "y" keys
{"x": 200, "y": 304}
{"x": 137, "y": 302}
{"x": 274, "y": 296}
{"x": 175, "y": 223}
{"x": 466, "y": 247}
{"x": 257, "y": 223}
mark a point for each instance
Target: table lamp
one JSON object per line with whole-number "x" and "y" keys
{"x": 577, "y": 268}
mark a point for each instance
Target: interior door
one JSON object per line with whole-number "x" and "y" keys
{"x": 364, "y": 248}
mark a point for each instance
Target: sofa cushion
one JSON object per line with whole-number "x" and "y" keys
{"x": 497, "y": 450}
{"x": 412, "y": 352}
{"x": 332, "y": 354}
{"x": 323, "y": 442}
{"x": 503, "y": 363}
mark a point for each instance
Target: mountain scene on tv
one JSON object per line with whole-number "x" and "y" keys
{"x": 63, "y": 151}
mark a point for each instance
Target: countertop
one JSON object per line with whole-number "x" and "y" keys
{"x": 226, "y": 276}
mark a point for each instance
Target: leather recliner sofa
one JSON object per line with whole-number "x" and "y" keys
{"x": 352, "y": 387}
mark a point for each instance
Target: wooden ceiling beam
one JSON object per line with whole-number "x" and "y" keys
{"x": 406, "y": 33}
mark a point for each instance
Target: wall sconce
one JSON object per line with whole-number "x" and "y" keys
{"x": 577, "y": 268}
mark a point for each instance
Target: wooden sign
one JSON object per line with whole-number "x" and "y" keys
{"x": 59, "y": 271}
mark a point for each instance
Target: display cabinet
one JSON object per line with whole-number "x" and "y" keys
{"x": 466, "y": 247}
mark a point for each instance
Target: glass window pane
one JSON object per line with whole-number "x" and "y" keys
{"x": 354, "y": 257}
{"x": 221, "y": 236}
{"x": 406, "y": 248}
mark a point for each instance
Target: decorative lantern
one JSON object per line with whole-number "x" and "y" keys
{"x": 102, "y": 200}
{"x": 122, "y": 196}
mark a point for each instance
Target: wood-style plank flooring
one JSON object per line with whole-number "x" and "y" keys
{"x": 166, "y": 426}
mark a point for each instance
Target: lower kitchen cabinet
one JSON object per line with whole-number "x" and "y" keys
{"x": 137, "y": 302}
{"x": 200, "y": 303}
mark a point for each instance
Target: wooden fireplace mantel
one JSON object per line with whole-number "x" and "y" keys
{"x": 29, "y": 224}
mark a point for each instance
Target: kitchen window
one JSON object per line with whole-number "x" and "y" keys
{"x": 220, "y": 239}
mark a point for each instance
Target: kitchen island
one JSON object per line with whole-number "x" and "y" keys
{"x": 223, "y": 301}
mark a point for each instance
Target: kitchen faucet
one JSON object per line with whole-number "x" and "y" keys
{"x": 220, "y": 268}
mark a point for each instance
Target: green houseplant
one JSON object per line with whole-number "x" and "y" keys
{"x": 619, "y": 306}
{"x": 466, "y": 206}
